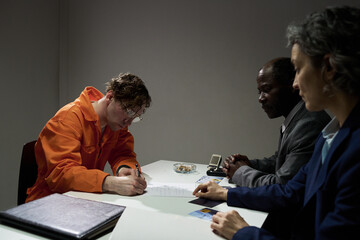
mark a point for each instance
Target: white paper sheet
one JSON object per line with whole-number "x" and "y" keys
{"x": 170, "y": 189}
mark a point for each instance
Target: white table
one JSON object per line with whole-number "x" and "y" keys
{"x": 155, "y": 217}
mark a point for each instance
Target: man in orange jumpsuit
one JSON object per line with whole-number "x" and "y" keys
{"x": 76, "y": 143}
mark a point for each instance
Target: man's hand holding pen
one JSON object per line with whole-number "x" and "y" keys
{"x": 127, "y": 182}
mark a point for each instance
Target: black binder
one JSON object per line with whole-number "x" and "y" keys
{"x": 63, "y": 217}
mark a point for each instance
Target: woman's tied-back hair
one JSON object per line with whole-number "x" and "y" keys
{"x": 129, "y": 90}
{"x": 334, "y": 31}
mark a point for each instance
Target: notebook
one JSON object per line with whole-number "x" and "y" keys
{"x": 63, "y": 217}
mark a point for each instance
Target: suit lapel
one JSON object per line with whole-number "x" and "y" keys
{"x": 319, "y": 171}
{"x": 313, "y": 170}
{"x": 291, "y": 122}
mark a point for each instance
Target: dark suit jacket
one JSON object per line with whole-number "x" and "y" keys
{"x": 320, "y": 202}
{"x": 294, "y": 151}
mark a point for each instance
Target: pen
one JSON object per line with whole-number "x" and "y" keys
{"x": 137, "y": 170}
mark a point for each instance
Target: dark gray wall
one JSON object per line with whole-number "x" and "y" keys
{"x": 199, "y": 60}
{"x": 29, "y": 59}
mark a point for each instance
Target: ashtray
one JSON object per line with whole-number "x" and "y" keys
{"x": 184, "y": 167}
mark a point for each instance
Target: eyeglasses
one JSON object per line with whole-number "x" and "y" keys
{"x": 133, "y": 116}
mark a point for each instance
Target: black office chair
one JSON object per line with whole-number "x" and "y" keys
{"x": 28, "y": 171}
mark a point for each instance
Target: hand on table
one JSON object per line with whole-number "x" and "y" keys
{"x": 211, "y": 190}
{"x": 226, "y": 224}
{"x": 233, "y": 163}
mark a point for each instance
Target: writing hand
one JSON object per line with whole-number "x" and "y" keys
{"x": 124, "y": 185}
{"x": 129, "y": 172}
{"x": 126, "y": 172}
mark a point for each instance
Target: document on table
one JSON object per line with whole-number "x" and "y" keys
{"x": 161, "y": 226}
{"x": 170, "y": 189}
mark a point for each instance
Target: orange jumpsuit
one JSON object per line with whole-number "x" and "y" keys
{"x": 71, "y": 153}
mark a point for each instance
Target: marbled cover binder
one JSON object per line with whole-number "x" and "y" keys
{"x": 63, "y": 217}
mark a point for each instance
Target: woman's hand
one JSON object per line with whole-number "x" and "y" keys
{"x": 211, "y": 190}
{"x": 226, "y": 224}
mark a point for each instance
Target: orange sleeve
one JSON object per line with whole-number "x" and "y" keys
{"x": 60, "y": 145}
{"x": 124, "y": 154}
